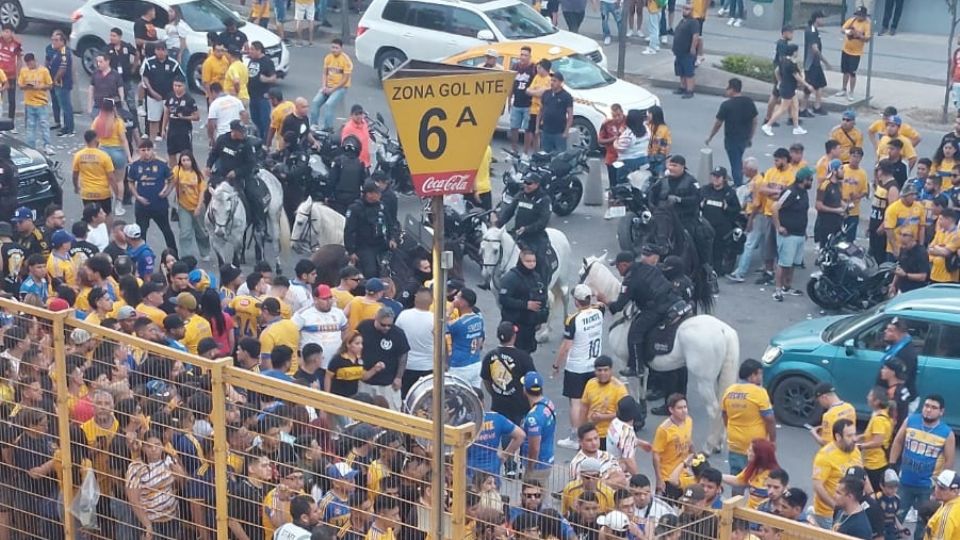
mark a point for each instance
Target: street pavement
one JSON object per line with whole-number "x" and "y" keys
{"x": 748, "y": 308}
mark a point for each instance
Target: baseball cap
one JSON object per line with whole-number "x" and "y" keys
{"x": 909, "y": 189}
{"x": 805, "y": 173}
{"x": 557, "y": 75}
{"x": 341, "y": 471}
{"x": 948, "y": 479}
{"x": 582, "y": 292}
{"x": 271, "y": 305}
{"x": 229, "y": 272}
{"x": 375, "y": 285}
{"x": 132, "y": 231}
{"x": 323, "y": 291}
{"x": 206, "y": 345}
{"x": 21, "y": 214}
{"x": 856, "y": 472}
{"x": 720, "y": 172}
{"x": 532, "y": 382}
{"x": 835, "y": 165}
{"x": 79, "y": 336}
{"x": 861, "y": 11}
{"x": 823, "y": 389}
{"x": 890, "y": 478}
{"x": 505, "y": 331}
{"x": 491, "y": 52}
{"x": 616, "y": 520}
{"x": 186, "y": 301}
{"x": 895, "y": 119}
{"x": 171, "y": 322}
{"x": 61, "y": 237}
{"x": 591, "y": 465}
{"x": 693, "y": 493}
{"x": 795, "y": 497}
{"x": 624, "y": 257}
{"x": 849, "y": 114}
{"x": 126, "y": 313}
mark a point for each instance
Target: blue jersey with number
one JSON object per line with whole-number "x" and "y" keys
{"x": 482, "y": 454}
{"x": 922, "y": 447}
{"x": 150, "y": 178}
{"x": 466, "y": 338}
{"x": 541, "y": 422}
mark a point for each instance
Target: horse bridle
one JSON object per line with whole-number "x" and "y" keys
{"x": 587, "y": 270}
{"x": 231, "y": 213}
{"x": 500, "y": 258}
{"x": 307, "y": 234}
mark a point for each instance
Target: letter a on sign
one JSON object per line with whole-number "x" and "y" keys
{"x": 445, "y": 117}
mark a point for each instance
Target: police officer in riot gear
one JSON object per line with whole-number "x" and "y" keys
{"x": 523, "y": 299}
{"x": 645, "y": 285}
{"x": 672, "y": 268}
{"x": 720, "y": 207}
{"x": 532, "y": 210}
{"x": 679, "y": 190}
{"x": 368, "y": 232}
{"x": 346, "y": 175}
{"x": 232, "y": 159}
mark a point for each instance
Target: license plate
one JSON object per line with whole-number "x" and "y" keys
{"x": 618, "y": 211}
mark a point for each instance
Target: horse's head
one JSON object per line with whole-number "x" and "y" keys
{"x": 491, "y": 250}
{"x": 588, "y": 266}
{"x": 223, "y": 209}
{"x": 302, "y": 233}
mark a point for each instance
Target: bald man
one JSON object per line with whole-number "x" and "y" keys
{"x": 297, "y": 124}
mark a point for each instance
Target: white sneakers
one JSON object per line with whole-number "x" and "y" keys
{"x": 722, "y": 11}
{"x": 737, "y": 23}
{"x": 119, "y": 210}
{"x": 842, "y": 93}
{"x": 799, "y": 131}
{"x": 648, "y": 50}
{"x": 629, "y": 33}
{"x": 568, "y": 443}
{"x": 767, "y": 130}
{"x": 606, "y": 40}
{"x": 48, "y": 151}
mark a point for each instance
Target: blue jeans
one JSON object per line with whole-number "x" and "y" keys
{"x": 260, "y": 114}
{"x": 37, "y": 119}
{"x": 653, "y": 29}
{"x": 630, "y": 165}
{"x": 328, "y": 102}
{"x": 738, "y": 462}
{"x": 320, "y": 10}
{"x": 756, "y": 239}
{"x": 913, "y": 497}
{"x": 824, "y": 522}
{"x": 552, "y": 142}
{"x": 610, "y": 8}
{"x": 736, "y": 9}
{"x": 66, "y": 107}
{"x": 851, "y": 222}
{"x": 735, "y": 151}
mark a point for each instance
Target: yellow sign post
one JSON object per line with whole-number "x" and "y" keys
{"x": 445, "y": 116}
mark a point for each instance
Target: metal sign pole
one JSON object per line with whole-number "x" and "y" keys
{"x": 439, "y": 358}
{"x": 873, "y": 27}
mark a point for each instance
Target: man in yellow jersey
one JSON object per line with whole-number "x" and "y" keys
{"x": 350, "y": 279}
{"x": 945, "y": 244}
{"x": 334, "y": 82}
{"x": 195, "y": 326}
{"x": 847, "y": 134}
{"x": 945, "y": 523}
{"x": 600, "y": 397}
{"x": 875, "y": 440}
{"x": 365, "y": 307}
{"x": 387, "y": 520}
{"x": 775, "y": 180}
{"x": 536, "y": 88}
{"x": 236, "y": 78}
{"x": 60, "y": 265}
{"x": 589, "y": 480}
{"x": 672, "y": 443}
{"x": 892, "y": 133}
{"x": 281, "y": 109}
{"x": 853, "y": 190}
{"x": 35, "y": 81}
{"x": 214, "y": 68}
{"x": 758, "y": 225}
{"x": 834, "y": 410}
{"x": 904, "y": 214}
{"x": 829, "y": 466}
{"x": 152, "y": 299}
{"x": 98, "y": 434}
{"x": 92, "y": 168}
{"x": 747, "y": 414}
{"x": 277, "y": 331}
{"x": 482, "y": 191}
{"x": 246, "y": 307}
{"x": 856, "y": 32}
{"x": 878, "y": 128}
{"x": 832, "y": 152}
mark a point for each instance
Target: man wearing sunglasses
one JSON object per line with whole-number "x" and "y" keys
{"x": 532, "y": 211}
{"x": 384, "y": 342}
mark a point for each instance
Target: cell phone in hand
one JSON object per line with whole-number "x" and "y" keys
{"x": 809, "y": 427}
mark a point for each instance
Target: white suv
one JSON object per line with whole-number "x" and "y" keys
{"x": 392, "y": 31}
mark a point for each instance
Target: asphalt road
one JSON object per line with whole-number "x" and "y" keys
{"x": 748, "y": 308}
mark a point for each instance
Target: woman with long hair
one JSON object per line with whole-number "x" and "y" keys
{"x": 112, "y": 134}
{"x": 660, "y": 139}
{"x": 168, "y": 258}
{"x": 151, "y": 487}
{"x": 632, "y": 144}
{"x": 345, "y": 370}
{"x": 177, "y": 32}
{"x": 943, "y": 161}
{"x": 791, "y": 79}
{"x": 761, "y": 460}
{"x": 221, "y": 324}
{"x": 191, "y": 185}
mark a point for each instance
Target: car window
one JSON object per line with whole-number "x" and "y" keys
{"x": 396, "y": 11}
{"x": 428, "y": 16}
{"x": 581, "y": 73}
{"x": 120, "y": 9}
{"x": 871, "y": 336}
{"x": 946, "y": 344}
{"x": 520, "y": 21}
{"x": 206, "y": 16}
{"x": 466, "y": 23}
{"x": 162, "y": 18}
{"x": 477, "y": 61}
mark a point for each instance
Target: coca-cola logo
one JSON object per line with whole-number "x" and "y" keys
{"x": 433, "y": 185}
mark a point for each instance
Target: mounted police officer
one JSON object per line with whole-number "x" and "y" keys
{"x": 532, "y": 210}
{"x": 232, "y": 159}
{"x": 679, "y": 190}
{"x": 368, "y": 232}
{"x": 645, "y": 285}
{"x": 523, "y": 299}
{"x": 720, "y": 207}
{"x": 346, "y": 175}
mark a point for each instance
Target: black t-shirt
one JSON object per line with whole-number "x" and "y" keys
{"x": 263, "y": 66}
{"x": 811, "y": 37}
{"x": 900, "y": 174}
{"x": 913, "y": 261}
{"x": 856, "y": 525}
{"x": 119, "y": 58}
{"x": 105, "y": 86}
{"x": 233, "y": 40}
{"x": 308, "y": 379}
{"x": 13, "y": 260}
{"x": 788, "y": 77}
{"x": 794, "y": 203}
{"x": 82, "y": 247}
{"x": 114, "y": 251}
{"x": 246, "y": 506}
{"x": 553, "y": 111}
{"x": 346, "y": 376}
{"x": 683, "y": 34}
{"x": 382, "y": 347}
{"x": 300, "y": 126}
{"x": 180, "y": 106}
{"x": 780, "y": 51}
{"x": 161, "y": 74}
{"x": 520, "y": 84}
{"x": 145, "y": 30}
{"x": 503, "y": 368}
{"x": 737, "y": 114}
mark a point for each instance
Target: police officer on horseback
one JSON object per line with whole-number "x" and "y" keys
{"x": 680, "y": 192}
{"x": 645, "y": 285}
{"x": 532, "y": 210}
{"x": 368, "y": 232}
{"x": 232, "y": 159}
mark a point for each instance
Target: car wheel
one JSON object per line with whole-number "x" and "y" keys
{"x": 794, "y": 402}
{"x": 585, "y": 130}
{"x": 89, "y": 49}
{"x": 11, "y": 13}
{"x": 388, "y": 61}
{"x": 195, "y": 69}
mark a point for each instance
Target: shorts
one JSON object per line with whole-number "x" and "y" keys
{"x": 815, "y": 77}
{"x": 118, "y": 155}
{"x": 154, "y": 109}
{"x": 470, "y": 374}
{"x": 849, "y": 63}
{"x": 261, "y": 10}
{"x": 789, "y": 250}
{"x": 280, "y": 10}
{"x": 532, "y": 124}
{"x": 553, "y": 6}
{"x": 776, "y": 92}
{"x": 684, "y": 65}
{"x": 179, "y": 141}
{"x": 574, "y": 383}
{"x": 304, "y": 12}
{"x": 519, "y": 117}
{"x": 788, "y": 92}
{"x": 106, "y": 204}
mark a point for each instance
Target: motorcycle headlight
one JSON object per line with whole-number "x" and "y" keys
{"x": 516, "y": 176}
{"x": 771, "y": 355}
{"x": 646, "y": 216}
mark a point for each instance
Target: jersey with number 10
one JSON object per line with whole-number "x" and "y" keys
{"x": 585, "y": 329}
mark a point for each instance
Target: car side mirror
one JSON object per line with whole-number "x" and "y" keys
{"x": 848, "y": 347}
{"x": 6, "y": 124}
{"x": 485, "y": 35}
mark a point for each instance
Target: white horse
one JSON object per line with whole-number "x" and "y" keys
{"x": 707, "y": 346}
{"x": 499, "y": 253}
{"x": 315, "y": 225}
{"x": 229, "y": 232}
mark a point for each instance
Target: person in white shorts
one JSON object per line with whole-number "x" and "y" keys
{"x": 303, "y": 12}
{"x": 417, "y": 324}
{"x": 582, "y": 344}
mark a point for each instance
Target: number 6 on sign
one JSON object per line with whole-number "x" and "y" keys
{"x": 426, "y": 130}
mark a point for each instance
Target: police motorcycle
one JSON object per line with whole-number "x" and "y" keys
{"x": 561, "y": 173}
{"x": 732, "y": 245}
{"x": 848, "y": 278}
{"x": 390, "y": 157}
{"x": 300, "y": 166}
{"x": 628, "y": 201}
{"x": 463, "y": 228}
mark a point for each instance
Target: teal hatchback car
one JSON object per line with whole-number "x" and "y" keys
{"x": 846, "y": 351}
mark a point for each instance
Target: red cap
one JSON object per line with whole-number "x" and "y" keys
{"x": 323, "y": 291}
{"x": 58, "y": 304}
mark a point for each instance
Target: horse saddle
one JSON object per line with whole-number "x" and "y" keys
{"x": 258, "y": 194}
{"x": 660, "y": 340}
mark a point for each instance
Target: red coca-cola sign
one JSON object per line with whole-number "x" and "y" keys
{"x": 440, "y": 184}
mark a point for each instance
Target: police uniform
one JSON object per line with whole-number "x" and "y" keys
{"x": 519, "y": 286}
{"x": 720, "y": 208}
{"x": 688, "y": 212}
{"x": 532, "y": 212}
{"x": 651, "y": 292}
{"x": 366, "y": 234}
{"x": 229, "y": 154}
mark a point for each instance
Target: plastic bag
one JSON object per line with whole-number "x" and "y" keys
{"x": 84, "y": 506}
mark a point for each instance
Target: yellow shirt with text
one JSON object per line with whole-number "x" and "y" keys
{"x": 847, "y": 140}
{"x": 901, "y": 217}
{"x": 337, "y": 68}
{"x": 29, "y": 78}
{"x": 673, "y": 443}
{"x": 775, "y": 177}
{"x": 840, "y": 411}
{"x": 854, "y": 183}
{"x": 93, "y": 166}
{"x": 602, "y": 399}
{"x": 745, "y": 405}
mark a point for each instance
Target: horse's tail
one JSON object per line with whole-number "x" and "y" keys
{"x": 731, "y": 359}
{"x": 702, "y": 294}
{"x": 284, "y": 238}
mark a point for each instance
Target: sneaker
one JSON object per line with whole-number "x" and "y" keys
{"x": 737, "y": 23}
{"x": 723, "y": 11}
{"x": 842, "y": 93}
{"x": 13, "y": 131}
{"x": 820, "y": 111}
{"x": 64, "y": 133}
{"x": 799, "y": 131}
{"x": 326, "y": 24}
{"x": 778, "y": 295}
{"x": 679, "y": 91}
{"x": 765, "y": 279}
{"x": 660, "y": 411}
{"x": 792, "y": 292}
{"x": 48, "y": 151}
{"x": 805, "y": 114}
{"x": 629, "y": 33}
{"x": 158, "y": 139}
{"x": 648, "y": 51}
{"x": 731, "y": 21}
{"x": 736, "y": 278}
{"x": 606, "y": 40}
{"x": 119, "y": 210}
{"x": 687, "y": 95}
{"x": 568, "y": 443}
{"x": 850, "y": 98}
{"x": 56, "y": 127}
{"x": 893, "y": 31}
{"x": 882, "y": 32}
{"x": 664, "y": 40}
{"x": 629, "y": 372}
{"x": 767, "y": 130}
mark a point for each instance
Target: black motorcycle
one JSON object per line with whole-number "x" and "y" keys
{"x": 731, "y": 245}
{"x": 848, "y": 278}
{"x": 560, "y": 177}
{"x": 390, "y": 157}
{"x": 629, "y": 204}
{"x": 462, "y": 233}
